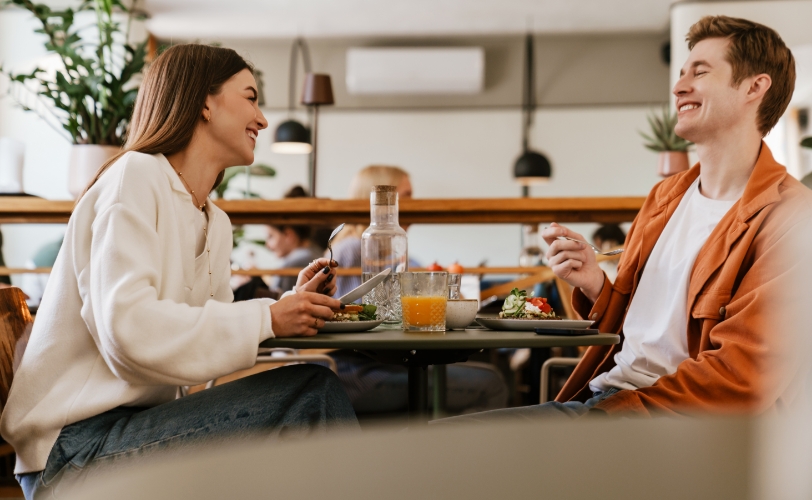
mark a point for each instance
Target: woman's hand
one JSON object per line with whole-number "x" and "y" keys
{"x": 573, "y": 261}
{"x": 301, "y": 314}
{"x": 314, "y": 279}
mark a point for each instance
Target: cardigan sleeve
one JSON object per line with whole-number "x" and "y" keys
{"x": 147, "y": 340}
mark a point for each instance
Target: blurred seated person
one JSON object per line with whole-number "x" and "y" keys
{"x": 347, "y": 244}
{"x": 293, "y": 246}
{"x": 375, "y": 387}
{"x": 608, "y": 237}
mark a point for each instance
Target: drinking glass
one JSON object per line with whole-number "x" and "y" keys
{"x": 454, "y": 281}
{"x": 423, "y": 299}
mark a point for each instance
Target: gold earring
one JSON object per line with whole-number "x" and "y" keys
{"x": 207, "y": 119}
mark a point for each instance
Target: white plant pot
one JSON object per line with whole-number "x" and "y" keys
{"x": 85, "y": 161}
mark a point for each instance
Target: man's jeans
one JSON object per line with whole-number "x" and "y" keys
{"x": 286, "y": 402}
{"x": 552, "y": 409}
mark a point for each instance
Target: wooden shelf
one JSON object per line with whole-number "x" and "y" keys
{"x": 325, "y": 211}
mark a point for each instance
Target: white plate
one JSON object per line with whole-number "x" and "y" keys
{"x": 532, "y": 324}
{"x": 349, "y": 326}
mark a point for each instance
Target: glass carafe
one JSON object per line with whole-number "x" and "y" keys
{"x": 384, "y": 245}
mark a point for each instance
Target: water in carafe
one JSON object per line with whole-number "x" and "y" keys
{"x": 384, "y": 245}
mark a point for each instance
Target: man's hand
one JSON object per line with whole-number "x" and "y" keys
{"x": 301, "y": 314}
{"x": 314, "y": 279}
{"x": 572, "y": 261}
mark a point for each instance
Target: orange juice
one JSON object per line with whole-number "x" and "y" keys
{"x": 425, "y": 313}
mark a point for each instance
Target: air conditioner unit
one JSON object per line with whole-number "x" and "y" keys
{"x": 415, "y": 70}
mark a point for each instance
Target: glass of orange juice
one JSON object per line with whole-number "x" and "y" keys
{"x": 423, "y": 299}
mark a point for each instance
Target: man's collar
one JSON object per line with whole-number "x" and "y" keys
{"x": 760, "y": 191}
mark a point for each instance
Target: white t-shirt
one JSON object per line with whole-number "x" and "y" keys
{"x": 656, "y": 324}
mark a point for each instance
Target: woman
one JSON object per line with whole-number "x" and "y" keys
{"x": 374, "y": 387}
{"x": 139, "y": 302}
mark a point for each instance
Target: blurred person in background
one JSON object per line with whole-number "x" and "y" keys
{"x": 293, "y": 245}
{"x": 347, "y": 244}
{"x": 608, "y": 237}
{"x": 139, "y": 300}
{"x": 374, "y": 387}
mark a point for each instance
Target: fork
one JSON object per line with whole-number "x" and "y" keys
{"x": 596, "y": 249}
{"x": 330, "y": 240}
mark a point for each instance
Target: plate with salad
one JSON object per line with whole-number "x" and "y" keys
{"x": 353, "y": 318}
{"x": 523, "y": 313}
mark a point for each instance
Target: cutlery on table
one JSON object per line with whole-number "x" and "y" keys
{"x": 365, "y": 287}
{"x": 596, "y": 249}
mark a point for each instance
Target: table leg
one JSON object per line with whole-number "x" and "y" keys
{"x": 440, "y": 392}
{"x": 418, "y": 394}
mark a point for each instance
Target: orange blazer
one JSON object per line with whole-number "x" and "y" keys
{"x": 744, "y": 302}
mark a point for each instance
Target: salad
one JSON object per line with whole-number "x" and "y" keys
{"x": 355, "y": 312}
{"x": 518, "y": 306}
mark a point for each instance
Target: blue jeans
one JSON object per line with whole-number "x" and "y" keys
{"x": 552, "y": 409}
{"x": 292, "y": 401}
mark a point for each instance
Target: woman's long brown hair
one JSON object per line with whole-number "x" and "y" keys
{"x": 171, "y": 99}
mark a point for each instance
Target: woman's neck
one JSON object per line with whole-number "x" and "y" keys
{"x": 198, "y": 172}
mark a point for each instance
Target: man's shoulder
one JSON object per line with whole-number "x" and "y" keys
{"x": 795, "y": 200}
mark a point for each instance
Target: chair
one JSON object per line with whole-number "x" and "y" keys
{"x": 545, "y": 374}
{"x": 265, "y": 355}
{"x": 15, "y": 328}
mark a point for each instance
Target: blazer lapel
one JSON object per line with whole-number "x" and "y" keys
{"x": 760, "y": 192}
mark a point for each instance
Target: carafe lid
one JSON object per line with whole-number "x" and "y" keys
{"x": 384, "y": 195}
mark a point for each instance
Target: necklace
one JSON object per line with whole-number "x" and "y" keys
{"x": 202, "y": 208}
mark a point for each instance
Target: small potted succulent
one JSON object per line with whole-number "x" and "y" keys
{"x": 673, "y": 149}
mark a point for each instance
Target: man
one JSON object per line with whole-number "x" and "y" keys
{"x": 703, "y": 298}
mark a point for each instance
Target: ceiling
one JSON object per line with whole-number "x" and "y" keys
{"x": 192, "y": 19}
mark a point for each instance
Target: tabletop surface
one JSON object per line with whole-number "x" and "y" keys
{"x": 457, "y": 339}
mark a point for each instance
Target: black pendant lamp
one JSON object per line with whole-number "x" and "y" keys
{"x": 291, "y": 137}
{"x": 531, "y": 167}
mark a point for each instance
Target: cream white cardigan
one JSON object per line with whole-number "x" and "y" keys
{"x": 126, "y": 316}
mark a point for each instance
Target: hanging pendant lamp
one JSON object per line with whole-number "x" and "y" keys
{"x": 531, "y": 167}
{"x": 291, "y": 137}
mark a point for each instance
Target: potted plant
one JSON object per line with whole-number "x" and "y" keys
{"x": 673, "y": 149}
{"x": 89, "y": 97}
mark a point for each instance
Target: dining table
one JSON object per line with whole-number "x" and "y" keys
{"x": 417, "y": 351}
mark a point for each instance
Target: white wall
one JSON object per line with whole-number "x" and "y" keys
{"x": 470, "y": 154}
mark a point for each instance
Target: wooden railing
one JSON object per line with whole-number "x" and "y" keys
{"x": 325, "y": 211}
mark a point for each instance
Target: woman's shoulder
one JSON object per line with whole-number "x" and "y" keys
{"x": 132, "y": 176}
{"x": 135, "y": 180}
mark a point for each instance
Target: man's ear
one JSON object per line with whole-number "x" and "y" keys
{"x": 758, "y": 86}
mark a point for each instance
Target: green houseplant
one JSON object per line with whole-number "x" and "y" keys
{"x": 89, "y": 97}
{"x": 662, "y": 139}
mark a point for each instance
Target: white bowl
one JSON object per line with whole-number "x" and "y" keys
{"x": 460, "y": 313}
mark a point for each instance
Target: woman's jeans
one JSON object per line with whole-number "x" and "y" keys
{"x": 292, "y": 401}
